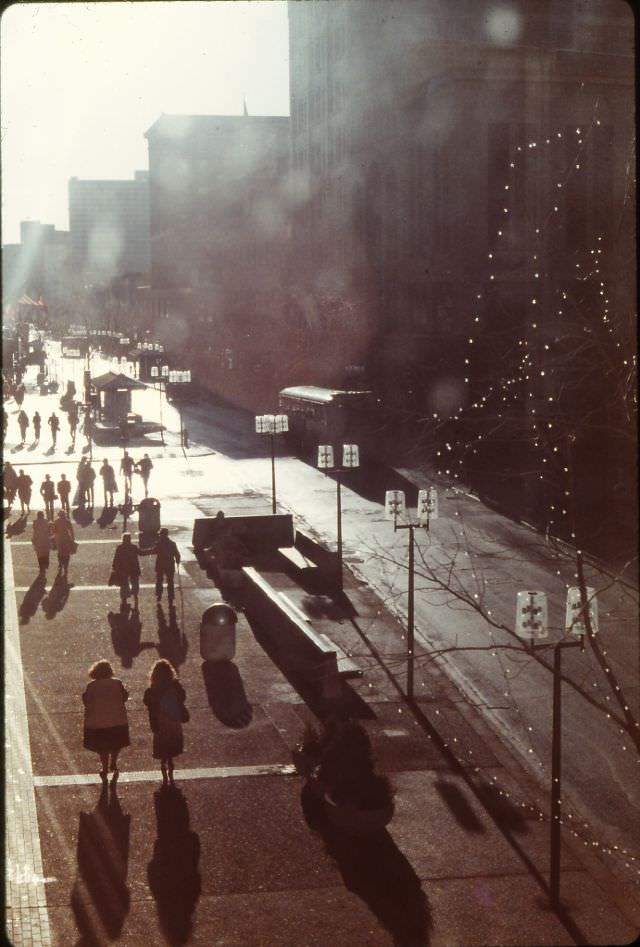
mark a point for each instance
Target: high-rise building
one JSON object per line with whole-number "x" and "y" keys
{"x": 109, "y": 227}
{"x": 37, "y": 266}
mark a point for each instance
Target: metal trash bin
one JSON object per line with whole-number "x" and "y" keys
{"x": 149, "y": 515}
{"x": 218, "y": 633}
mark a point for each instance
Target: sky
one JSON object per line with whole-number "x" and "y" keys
{"x": 80, "y": 83}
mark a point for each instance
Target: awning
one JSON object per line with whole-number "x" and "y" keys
{"x": 112, "y": 381}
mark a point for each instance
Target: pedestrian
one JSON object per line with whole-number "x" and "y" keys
{"x": 88, "y": 476}
{"x": 126, "y": 468}
{"x": 106, "y": 728}
{"x": 10, "y": 481}
{"x": 64, "y": 540}
{"x": 167, "y": 557}
{"x": 63, "y": 487}
{"x": 165, "y": 701}
{"x": 41, "y": 540}
{"x": 144, "y": 468}
{"x": 23, "y": 424}
{"x": 19, "y": 395}
{"x": 54, "y": 424}
{"x": 48, "y": 493}
{"x": 73, "y": 426}
{"x": 185, "y": 438}
{"x": 125, "y": 570}
{"x": 109, "y": 484}
{"x": 24, "y": 485}
{"x": 37, "y": 425}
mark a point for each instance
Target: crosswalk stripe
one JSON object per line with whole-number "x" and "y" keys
{"x": 215, "y": 772}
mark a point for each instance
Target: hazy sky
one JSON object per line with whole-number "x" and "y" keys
{"x": 82, "y": 82}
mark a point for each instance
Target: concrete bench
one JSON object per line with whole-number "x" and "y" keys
{"x": 310, "y": 653}
{"x": 258, "y": 533}
{"x": 296, "y": 559}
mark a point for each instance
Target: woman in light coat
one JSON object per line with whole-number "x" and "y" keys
{"x": 106, "y": 728}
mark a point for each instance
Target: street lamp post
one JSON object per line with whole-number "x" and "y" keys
{"x": 180, "y": 377}
{"x": 531, "y": 624}
{"x": 350, "y": 460}
{"x": 160, "y": 372}
{"x": 272, "y": 424}
{"x": 395, "y": 507}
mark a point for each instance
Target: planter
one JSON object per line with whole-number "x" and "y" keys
{"x": 357, "y": 821}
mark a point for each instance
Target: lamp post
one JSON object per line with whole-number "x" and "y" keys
{"x": 350, "y": 459}
{"x": 531, "y": 624}
{"x": 394, "y": 502}
{"x": 272, "y": 424}
{"x": 160, "y": 372}
{"x": 180, "y": 377}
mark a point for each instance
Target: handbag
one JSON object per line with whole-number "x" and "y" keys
{"x": 73, "y": 548}
{"x": 113, "y": 578}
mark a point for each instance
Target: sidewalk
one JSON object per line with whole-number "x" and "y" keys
{"x": 227, "y": 858}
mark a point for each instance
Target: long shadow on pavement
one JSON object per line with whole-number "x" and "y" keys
{"x": 172, "y": 641}
{"x": 100, "y": 897}
{"x": 18, "y": 526}
{"x": 373, "y": 868}
{"x": 226, "y": 693}
{"x": 126, "y": 635}
{"x": 173, "y": 873}
{"x": 32, "y": 597}
{"x": 56, "y": 600}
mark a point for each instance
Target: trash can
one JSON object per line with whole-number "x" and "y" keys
{"x": 218, "y": 633}
{"x": 149, "y": 515}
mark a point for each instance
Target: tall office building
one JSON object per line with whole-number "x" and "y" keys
{"x": 109, "y": 226}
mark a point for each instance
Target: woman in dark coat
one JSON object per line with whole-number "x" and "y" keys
{"x": 106, "y": 728}
{"x": 165, "y": 699}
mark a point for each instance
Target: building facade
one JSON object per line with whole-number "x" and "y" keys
{"x": 465, "y": 191}
{"x": 219, "y": 238}
{"x": 38, "y": 266}
{"x": 109, "y": 227}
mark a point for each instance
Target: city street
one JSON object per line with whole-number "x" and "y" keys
{"x": 497, "y": 708}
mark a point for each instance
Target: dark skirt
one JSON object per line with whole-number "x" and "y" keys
{"x": 168, "y": 740}
{"x": 106, "y": 739}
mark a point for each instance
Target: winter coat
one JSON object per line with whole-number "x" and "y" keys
{"x": 48, "y": 489}
{"x": 24, "y": 487}
{"x": 167, "y": 555}
{"x": 125, "y": 560}
{"x": 109, "y": 476}
{"x": 41, "y": 537}
{"x": 104, "y": 703}
{"x": 63, "y": 535}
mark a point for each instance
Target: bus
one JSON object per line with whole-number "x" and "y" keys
{"x": 329, "y": 416}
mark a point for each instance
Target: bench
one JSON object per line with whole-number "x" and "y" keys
{"x": 296, "y": 559}
{"x": 258, "y": 533}
{"x": 314, "y": 655}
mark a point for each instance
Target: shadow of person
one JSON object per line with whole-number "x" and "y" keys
{"x": 226, "y": 694}
{"x": 173, "y": 874}
{"x": 126, "y": 634}
{"x": 107, "y": 516}
{"x": 18, "y": 526}
{"x": 83, "y": 515}
{"x": 56, "y": 600}
{"x": 373, "y": 868}
{"x": 100, "y": 896}
{"x": 172, "y": 642}
{"x": 29, "y": 604}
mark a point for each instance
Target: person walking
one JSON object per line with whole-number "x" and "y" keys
{"x": 10, "y": 481}
{"x": 37, "y": 425}
{"x": 109, "y": 484}
{"x": 165, "y": 701}
{"x": 87, "y": 480}
{"x": 54, "y": 424}
{"x": 126, "y": 468}
{"x": 64, "y": 540}
{"x": 106, "y": 727}
{"x": 25, "y": 483}
{"x": 125, "y": 570}
{"x": 23, "y": 424}
{"x": 73, "y": 422}
{"x": 79, "y": 498}
{"x": 167, "y": 557}
{"x": 41, "y": 541}
{"x": 144, "y": 468}
{"x": 63, "y": 487}
{"x": 48, "y": 493}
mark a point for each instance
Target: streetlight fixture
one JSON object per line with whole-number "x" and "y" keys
{"x": 350, "y": 459}
{"x": 272, "y": 424}
{"x": 180, "y": 377}
{"x": 532, "y": 623}
{"x": 394, "y": 502}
